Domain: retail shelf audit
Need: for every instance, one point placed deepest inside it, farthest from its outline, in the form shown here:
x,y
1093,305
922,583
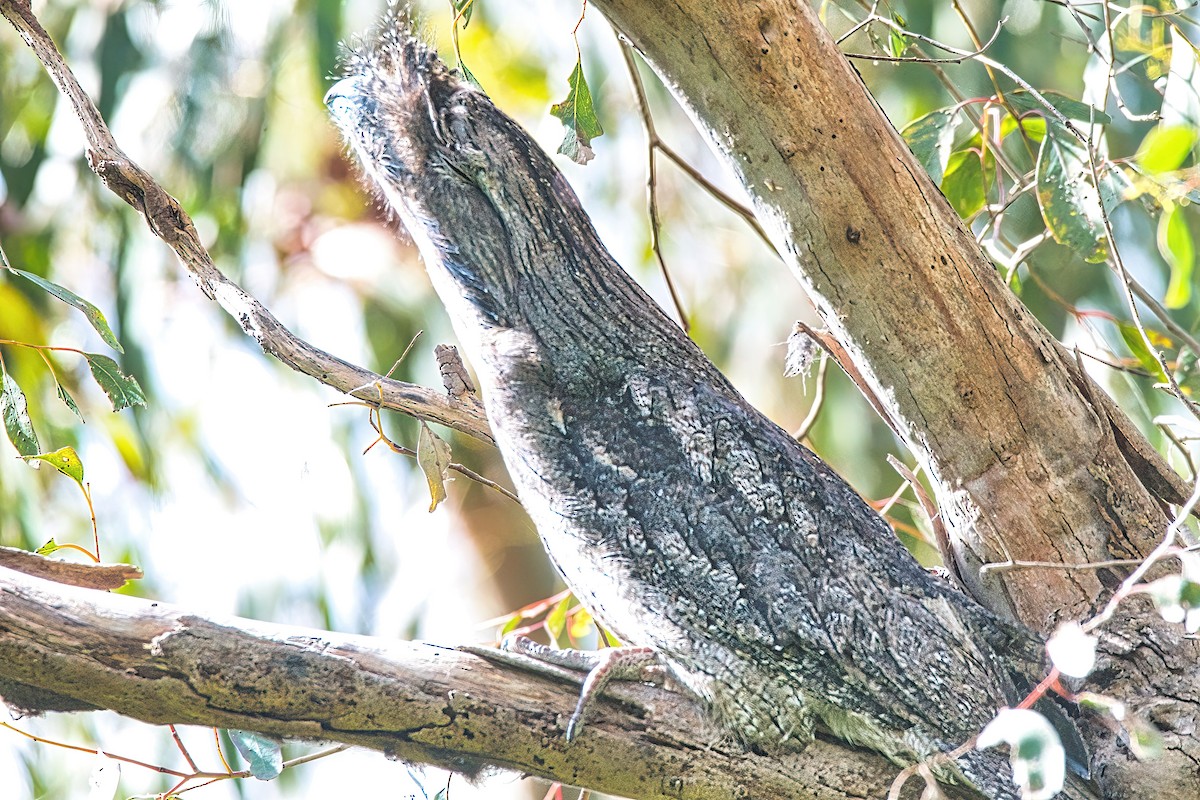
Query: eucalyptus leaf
x,y
1133,340
264,756
123,390
1024,102
433,457
65,460
579,118
931,138
68,400
965,184
15,410
1178,249
1069,202
93,314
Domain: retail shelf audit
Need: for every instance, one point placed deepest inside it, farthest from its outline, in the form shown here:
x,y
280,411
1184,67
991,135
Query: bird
x,y
682,517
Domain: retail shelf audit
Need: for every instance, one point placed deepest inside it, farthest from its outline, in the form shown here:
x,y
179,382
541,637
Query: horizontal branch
x,y
169,222
66,648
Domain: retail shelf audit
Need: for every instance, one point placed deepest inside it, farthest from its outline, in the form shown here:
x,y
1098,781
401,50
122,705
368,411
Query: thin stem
x,y
652,142
818,400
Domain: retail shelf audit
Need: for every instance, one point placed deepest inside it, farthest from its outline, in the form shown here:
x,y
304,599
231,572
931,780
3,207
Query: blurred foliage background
x,y
241,487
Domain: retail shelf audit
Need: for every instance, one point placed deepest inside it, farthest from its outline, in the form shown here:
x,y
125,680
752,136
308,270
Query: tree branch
x,y
169,222
65,648
987,400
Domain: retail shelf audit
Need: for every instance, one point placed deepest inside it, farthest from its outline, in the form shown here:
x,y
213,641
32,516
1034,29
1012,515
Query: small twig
x,y
400,449
958,59
725,199
1161,551
168,221
1006,566
1127,284
652,141
179,743
818,399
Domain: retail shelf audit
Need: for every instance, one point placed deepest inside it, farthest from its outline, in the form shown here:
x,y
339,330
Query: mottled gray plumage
x,y
678,513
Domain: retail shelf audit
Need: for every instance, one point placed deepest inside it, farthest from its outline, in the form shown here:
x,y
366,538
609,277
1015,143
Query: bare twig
x,y
818,399
400,449
957,59
168,221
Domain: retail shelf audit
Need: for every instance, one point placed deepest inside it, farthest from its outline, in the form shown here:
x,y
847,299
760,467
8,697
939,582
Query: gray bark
x,y
1028,458
64,648
678,513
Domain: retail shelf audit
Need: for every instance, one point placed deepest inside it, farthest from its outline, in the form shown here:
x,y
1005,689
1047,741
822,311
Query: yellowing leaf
x,y
581,625
65,460
1166,148
1069,202
579,118
433,456
1176,246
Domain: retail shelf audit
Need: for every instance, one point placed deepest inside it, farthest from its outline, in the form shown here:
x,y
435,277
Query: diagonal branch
x,y
169,222
65,648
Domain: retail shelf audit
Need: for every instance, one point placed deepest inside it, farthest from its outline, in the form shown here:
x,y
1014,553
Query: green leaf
x,y
49,548
463,9
469,76
1031,126
964,183
65,396
1070,203
123,390
579,118
433,457
897,42
15,410
65,460
556,620
931,138
1137,346
1176,246
93,314
263,755
1024,102
513,623
1166,148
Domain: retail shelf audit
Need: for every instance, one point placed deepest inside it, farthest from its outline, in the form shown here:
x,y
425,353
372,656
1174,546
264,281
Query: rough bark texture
x,y
1021,457
683,518
70,649
1030,460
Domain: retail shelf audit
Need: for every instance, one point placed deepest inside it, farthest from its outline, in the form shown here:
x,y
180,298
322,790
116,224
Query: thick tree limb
x,y
168,221
1025,463
1029,459
65,648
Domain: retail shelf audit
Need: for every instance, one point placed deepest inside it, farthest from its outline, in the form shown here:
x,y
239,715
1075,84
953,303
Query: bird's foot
x,y
598,668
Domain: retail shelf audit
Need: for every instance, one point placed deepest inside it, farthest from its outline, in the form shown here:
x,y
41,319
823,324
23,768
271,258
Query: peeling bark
x,y
64,648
